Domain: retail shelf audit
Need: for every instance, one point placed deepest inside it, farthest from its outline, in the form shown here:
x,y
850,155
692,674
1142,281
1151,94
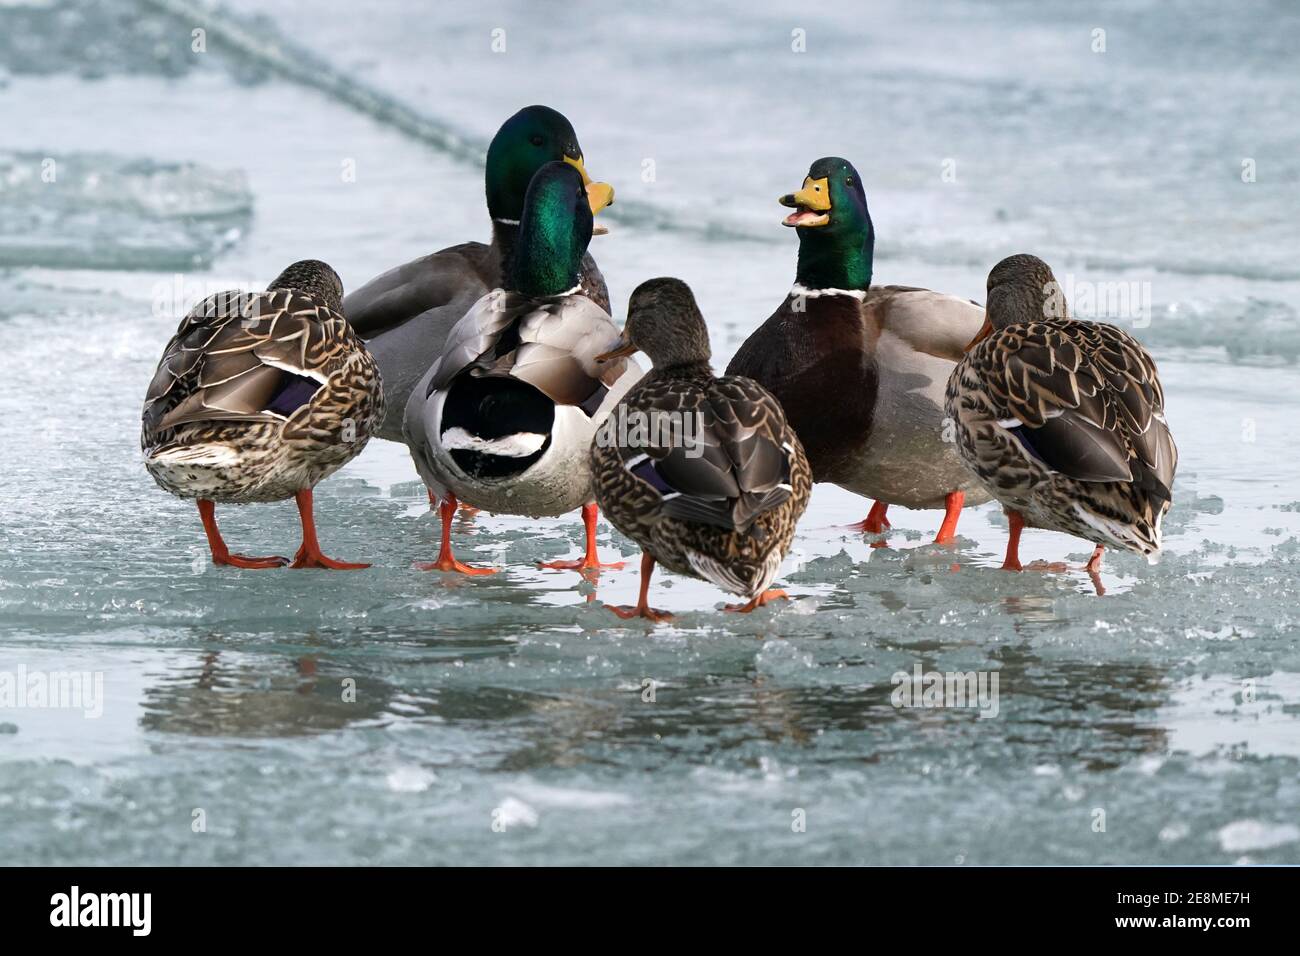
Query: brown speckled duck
x,y
704,473
258,397
1063,421
861,369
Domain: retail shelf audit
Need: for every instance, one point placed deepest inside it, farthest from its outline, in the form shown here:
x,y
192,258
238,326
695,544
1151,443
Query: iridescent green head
x,y
836,238
526,142
554,231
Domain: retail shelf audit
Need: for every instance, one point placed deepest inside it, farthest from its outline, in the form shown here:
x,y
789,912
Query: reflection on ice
x,y
1235,716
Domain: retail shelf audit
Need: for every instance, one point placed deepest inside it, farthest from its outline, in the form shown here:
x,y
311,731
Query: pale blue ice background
x,y
515,695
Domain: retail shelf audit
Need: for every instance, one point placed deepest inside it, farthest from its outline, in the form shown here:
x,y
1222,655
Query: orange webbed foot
x,y
1048,567
453,566
867,526
628,611
244,561
590,561
581,564
876,521
771,594
314,559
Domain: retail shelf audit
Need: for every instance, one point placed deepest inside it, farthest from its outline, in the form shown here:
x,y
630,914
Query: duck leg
x,y
771,594
309,553
875,522
220,553
643,608
468,511
1017,523
590,561
1094,563
952,511
446,560
1093,567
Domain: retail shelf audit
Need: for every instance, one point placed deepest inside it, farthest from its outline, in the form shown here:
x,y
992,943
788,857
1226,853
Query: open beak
x,y
985,331
812,204
599,195
622,349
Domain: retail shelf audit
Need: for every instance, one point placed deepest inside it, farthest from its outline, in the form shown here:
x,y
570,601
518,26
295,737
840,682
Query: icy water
x,y
394,716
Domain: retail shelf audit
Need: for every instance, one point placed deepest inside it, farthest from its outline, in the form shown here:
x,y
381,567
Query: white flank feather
x,y
212,456
518,445
719,574
725,578
1119,533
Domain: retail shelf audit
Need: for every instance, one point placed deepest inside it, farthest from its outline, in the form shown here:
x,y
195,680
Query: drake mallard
x,y
704,473
504,418
1062,421
406,314
258,397
860,369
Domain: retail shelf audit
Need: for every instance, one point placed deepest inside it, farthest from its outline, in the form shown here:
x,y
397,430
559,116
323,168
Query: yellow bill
x,y
599,195
811,204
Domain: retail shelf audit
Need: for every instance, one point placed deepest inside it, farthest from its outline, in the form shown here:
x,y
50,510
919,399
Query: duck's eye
x,y
536,139
848,181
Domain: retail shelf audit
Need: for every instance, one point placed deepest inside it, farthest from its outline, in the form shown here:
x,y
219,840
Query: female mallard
x,y
504,418
1063,421
704,473
406,314
258,397
861,370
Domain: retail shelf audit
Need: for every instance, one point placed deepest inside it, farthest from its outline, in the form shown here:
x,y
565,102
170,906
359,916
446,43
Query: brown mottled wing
x,y
730,460
252,357
1087,399
550,343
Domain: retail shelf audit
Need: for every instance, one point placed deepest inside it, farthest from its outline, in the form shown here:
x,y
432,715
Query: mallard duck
x,y
258,397
703,472
860,369
1063,421
504,418
406,314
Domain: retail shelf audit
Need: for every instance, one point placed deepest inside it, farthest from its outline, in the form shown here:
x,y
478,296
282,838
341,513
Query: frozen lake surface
x,y
504,720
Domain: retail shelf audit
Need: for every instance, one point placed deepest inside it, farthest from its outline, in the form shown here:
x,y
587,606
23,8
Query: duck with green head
x,y
503,420
405,314
861,369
